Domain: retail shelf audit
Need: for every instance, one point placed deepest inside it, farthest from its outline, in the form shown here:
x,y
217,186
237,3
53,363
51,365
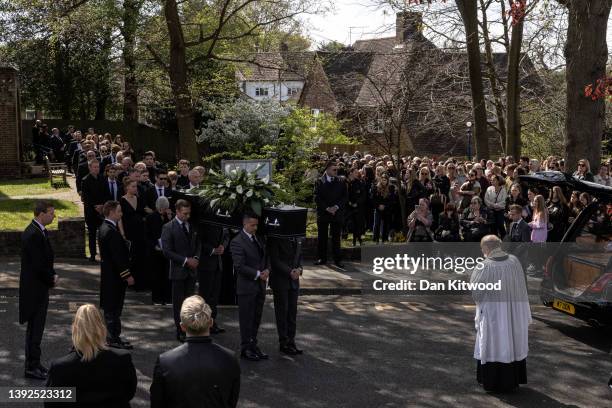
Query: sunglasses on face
x,y
581,164
163,178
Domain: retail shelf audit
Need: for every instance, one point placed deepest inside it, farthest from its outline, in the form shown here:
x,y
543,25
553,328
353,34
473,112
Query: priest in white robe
x,y
502,320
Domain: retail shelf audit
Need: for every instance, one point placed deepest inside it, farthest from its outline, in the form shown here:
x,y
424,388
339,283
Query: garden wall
x,y
68,241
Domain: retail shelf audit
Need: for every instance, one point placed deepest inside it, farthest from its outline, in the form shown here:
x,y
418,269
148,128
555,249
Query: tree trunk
x,y
131,11
469,15
586,54
513,93
188,148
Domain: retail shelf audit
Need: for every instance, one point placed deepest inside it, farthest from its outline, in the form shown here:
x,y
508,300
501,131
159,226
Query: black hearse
x,y
578,272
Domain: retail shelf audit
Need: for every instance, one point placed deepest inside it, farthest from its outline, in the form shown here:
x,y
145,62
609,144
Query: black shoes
x,y
250,355
290,349
216,329
35,373
120,344
261,354
320,262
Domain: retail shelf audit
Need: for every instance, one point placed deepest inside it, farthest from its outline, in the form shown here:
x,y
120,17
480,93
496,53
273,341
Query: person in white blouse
x,y
495,200
603,176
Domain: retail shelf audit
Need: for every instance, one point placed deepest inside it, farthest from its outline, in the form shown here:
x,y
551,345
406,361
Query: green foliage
x,y
15,215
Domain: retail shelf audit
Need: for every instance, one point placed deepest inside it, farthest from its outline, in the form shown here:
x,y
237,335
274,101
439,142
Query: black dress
x,y
501,377
134,228
156,261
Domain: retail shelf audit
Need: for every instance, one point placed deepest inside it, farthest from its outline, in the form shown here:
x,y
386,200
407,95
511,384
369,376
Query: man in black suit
x,y
210,372
181,245
106,158
330,197
519,229
251,268
73,150
115,275
210,270
183,178
113,188
149,160
57,146
93,195
83,168
285,272
36,277
160,189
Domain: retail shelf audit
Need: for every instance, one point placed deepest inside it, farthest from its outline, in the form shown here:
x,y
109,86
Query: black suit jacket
x,y
107,193
177,246
37,273
109,380
115,256
93,192
283,258
106,161
247,261
520,233
150,196
328,194
196,374
212,237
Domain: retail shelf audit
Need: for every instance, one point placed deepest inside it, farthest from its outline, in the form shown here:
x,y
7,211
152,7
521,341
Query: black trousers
x,y
210,287
93,223
325,223
34,333
250,309
181,289
285,311
161,287
112,316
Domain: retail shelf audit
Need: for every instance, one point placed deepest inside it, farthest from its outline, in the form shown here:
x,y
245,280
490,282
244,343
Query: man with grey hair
x,y
195,178
502,320
211,372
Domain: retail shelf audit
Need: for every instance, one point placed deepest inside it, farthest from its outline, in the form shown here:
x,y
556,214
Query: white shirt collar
x,y
111,221
248,235
42,227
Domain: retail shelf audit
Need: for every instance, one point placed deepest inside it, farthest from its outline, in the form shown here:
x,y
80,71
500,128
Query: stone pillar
x,y
10,123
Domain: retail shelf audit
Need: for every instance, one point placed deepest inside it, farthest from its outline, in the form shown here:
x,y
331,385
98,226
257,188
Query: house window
x,y
292,91
261,91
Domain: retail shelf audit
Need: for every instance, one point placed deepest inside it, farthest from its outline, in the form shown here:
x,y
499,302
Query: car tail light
x,y
548,267
600,284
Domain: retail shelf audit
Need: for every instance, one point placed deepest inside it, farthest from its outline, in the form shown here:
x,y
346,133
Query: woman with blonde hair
x,y
102,377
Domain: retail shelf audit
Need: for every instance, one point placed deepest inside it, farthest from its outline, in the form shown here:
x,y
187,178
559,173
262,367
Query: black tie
x,y
259,249
112,189
514,228
46,233
160,192
185,230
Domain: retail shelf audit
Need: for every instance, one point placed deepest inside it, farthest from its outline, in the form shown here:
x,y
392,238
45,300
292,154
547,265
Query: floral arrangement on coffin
x,y
237,191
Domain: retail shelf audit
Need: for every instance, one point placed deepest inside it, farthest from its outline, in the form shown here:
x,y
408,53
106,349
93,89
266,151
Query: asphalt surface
x,y
360,351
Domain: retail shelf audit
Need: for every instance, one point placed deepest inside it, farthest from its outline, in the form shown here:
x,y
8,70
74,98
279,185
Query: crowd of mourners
x,y
455,200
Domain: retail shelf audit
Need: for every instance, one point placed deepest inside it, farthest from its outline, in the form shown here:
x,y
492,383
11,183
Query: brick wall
x,y
9,123
68,241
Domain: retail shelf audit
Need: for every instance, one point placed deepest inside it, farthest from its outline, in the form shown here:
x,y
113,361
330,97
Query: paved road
x,y
361,351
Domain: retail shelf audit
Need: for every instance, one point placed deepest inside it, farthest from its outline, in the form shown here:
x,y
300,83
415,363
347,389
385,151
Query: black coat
x,y
37,273
107,193
109,380
93,192
212,237
177,246
150,196
247,261
114,268
283,258
196,374
329,194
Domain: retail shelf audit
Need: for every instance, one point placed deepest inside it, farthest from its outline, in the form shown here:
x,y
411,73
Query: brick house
x,y
393,91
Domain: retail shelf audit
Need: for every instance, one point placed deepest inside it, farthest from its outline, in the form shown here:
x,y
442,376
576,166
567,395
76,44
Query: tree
x,y
586,54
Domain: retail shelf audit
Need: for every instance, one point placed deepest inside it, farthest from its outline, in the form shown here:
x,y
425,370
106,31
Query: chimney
x,y
408,25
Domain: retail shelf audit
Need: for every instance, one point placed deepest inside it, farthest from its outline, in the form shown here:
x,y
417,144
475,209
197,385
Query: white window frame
x,y
262,91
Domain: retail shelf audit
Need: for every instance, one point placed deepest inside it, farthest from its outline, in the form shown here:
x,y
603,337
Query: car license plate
x,y
564,306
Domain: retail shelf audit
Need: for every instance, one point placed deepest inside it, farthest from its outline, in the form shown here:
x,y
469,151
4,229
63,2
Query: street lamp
x,y
469,140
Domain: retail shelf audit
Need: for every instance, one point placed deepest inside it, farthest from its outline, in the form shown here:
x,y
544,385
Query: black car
x,y
578,273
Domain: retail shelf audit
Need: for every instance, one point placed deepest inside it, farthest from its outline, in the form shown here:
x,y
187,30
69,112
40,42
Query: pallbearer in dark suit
x,y
286,269
181,245
330,197
115,274
37,276
210,270
251,268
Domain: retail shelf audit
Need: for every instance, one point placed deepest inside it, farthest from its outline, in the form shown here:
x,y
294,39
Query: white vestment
x,y
502,317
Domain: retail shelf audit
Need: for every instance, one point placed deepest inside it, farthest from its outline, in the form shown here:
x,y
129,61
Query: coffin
x,y
286,221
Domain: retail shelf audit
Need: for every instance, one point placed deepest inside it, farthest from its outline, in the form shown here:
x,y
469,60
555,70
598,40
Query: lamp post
x,y
469,140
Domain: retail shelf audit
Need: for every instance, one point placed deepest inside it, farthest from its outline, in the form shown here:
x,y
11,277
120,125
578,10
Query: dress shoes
x,y
320,262
250,355
216,329
261,354
288,350
296,350
35,373
119,345
43,369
